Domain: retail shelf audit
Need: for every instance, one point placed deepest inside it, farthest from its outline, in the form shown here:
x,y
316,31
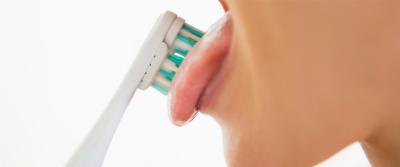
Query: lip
x,y
197,79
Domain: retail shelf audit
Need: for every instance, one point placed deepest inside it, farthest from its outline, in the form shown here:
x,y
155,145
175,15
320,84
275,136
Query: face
x,y
287,86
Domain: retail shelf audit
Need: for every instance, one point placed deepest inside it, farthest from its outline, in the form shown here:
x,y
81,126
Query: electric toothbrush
x,y
156,64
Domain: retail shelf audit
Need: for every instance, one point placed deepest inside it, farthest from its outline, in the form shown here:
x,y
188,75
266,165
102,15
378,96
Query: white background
x,y
60,62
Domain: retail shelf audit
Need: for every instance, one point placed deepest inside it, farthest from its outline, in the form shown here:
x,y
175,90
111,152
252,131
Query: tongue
x,y
198,69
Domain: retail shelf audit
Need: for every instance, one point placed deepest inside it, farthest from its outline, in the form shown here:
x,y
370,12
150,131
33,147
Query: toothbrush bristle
x,y
189,35
160,88
169,65
176,59
193,30
187,38
167,74
180,50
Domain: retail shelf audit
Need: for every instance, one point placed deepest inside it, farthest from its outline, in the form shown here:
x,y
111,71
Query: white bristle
x,y
169,65
189,35
182,45
163,81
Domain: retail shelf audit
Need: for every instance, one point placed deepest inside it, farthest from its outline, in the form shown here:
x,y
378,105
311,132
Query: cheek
x,y
265,124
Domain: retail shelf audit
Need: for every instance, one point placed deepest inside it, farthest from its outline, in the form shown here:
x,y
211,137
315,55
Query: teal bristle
x,y
167,74
187,40
179,51
160,88
176,59
193,30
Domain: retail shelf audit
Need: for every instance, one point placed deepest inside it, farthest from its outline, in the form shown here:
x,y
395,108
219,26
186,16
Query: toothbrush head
x,y
164,50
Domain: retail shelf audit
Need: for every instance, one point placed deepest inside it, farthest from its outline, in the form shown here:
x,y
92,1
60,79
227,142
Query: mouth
x,y
197,79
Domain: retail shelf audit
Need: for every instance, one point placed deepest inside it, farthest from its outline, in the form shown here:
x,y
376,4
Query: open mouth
x,y
193,85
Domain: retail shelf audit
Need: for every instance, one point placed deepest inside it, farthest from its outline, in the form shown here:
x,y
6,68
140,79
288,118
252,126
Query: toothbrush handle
x,y
92,150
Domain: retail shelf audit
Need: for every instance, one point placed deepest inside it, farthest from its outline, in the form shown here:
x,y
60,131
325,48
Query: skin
x,y
301,80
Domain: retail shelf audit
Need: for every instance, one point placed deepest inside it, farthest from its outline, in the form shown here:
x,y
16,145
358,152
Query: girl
x,y
291,82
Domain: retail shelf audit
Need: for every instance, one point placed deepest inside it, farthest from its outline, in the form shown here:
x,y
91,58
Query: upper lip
x,y
198,70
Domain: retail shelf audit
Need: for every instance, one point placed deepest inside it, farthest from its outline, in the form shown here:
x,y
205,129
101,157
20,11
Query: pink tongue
x,y
199,67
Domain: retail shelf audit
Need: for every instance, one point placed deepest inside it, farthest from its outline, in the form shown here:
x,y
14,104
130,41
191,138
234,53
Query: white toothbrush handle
x,y
93,149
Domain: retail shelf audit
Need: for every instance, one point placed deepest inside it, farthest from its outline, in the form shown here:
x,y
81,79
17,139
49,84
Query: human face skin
x,y
302,80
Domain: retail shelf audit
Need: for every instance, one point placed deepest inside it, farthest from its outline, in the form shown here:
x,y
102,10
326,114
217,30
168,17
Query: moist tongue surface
x,y
199,67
